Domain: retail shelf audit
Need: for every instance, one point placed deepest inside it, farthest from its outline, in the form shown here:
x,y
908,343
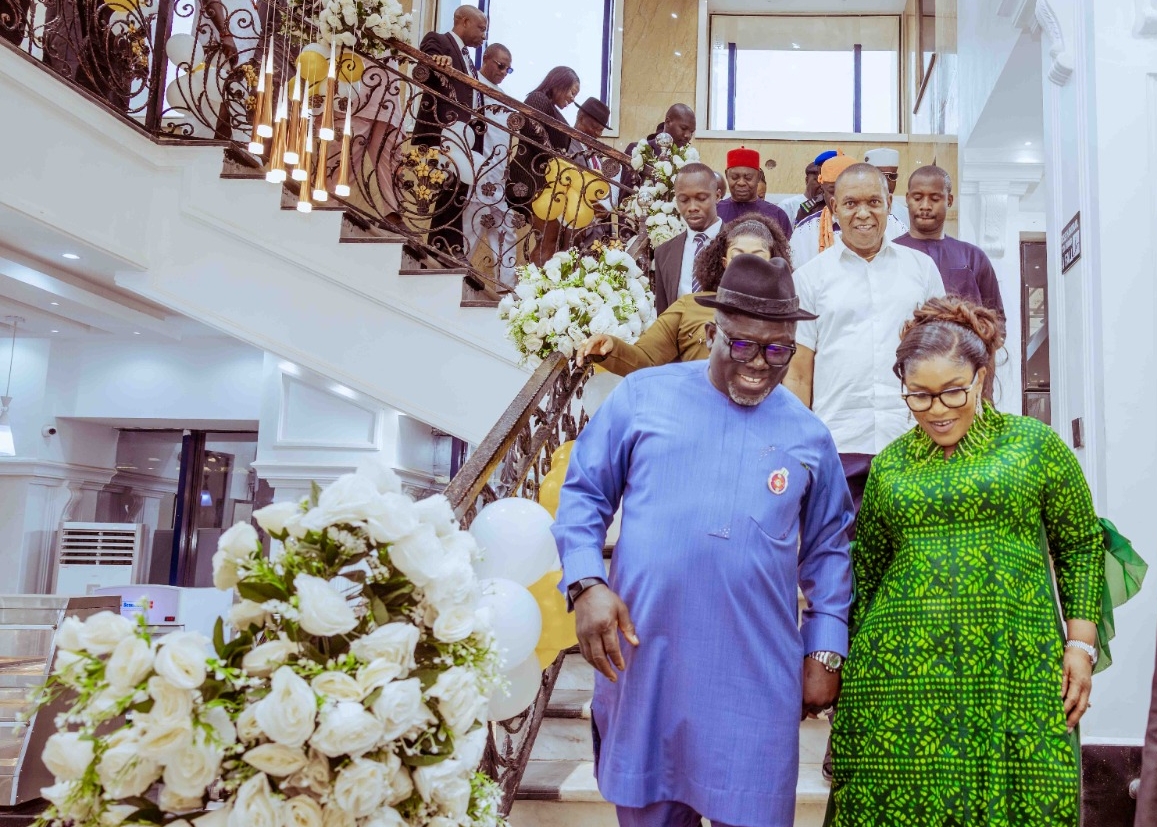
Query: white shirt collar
x,y
461,43
885,249
711,230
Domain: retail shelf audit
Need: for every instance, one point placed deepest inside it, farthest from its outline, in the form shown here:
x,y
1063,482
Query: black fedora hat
x,y
760,288
598,110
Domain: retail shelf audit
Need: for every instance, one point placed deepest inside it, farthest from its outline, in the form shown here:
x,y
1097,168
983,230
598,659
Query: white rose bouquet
x,y
572,296
353,693
366,26
654,202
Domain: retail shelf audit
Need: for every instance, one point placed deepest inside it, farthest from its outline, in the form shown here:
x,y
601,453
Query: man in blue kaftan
x,y
732,495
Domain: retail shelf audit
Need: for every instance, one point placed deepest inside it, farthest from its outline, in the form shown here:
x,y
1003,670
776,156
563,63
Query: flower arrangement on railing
x,y
654,202
557,306
365,26
353,694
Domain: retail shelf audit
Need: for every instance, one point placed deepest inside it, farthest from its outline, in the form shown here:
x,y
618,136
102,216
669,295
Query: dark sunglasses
x,y
504,67
744,350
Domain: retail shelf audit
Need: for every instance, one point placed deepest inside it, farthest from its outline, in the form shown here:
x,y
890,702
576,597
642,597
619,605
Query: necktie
x,y
473,73
700,243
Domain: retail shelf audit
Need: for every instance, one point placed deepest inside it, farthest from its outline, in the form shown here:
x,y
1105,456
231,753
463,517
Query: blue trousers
x,y
661,814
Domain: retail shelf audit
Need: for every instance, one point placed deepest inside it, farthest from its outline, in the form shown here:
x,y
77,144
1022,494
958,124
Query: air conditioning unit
x,y
91,555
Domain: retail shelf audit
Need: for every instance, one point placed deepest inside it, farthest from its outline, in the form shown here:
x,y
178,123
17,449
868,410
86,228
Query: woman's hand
x,y
598,345
1076,685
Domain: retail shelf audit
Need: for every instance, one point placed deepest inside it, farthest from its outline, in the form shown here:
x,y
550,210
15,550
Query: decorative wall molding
x,y
1050,23
993,222
1146,18
360,419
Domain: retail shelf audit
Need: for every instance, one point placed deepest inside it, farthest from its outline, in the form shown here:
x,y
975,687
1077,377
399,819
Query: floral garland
x,y
573,296
366,26
654,202
353,694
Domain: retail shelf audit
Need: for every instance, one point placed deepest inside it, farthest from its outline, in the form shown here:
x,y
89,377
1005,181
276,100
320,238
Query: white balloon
x,y
597,389
515,618
525,680
184,50
514,536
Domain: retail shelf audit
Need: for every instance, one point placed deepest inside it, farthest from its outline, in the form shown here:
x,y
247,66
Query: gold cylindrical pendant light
x,y
265,125
276,172
326,130
256,146
320,194
292,134
303,202
343,174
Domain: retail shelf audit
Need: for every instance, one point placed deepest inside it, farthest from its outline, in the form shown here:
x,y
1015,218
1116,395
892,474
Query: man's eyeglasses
x,y
504,67
920,401
744,350
891,176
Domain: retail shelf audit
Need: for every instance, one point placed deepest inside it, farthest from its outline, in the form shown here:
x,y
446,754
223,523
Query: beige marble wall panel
x,y
653,76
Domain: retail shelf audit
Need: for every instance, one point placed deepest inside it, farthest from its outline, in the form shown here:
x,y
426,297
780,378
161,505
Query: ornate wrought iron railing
x,y
480,185
511,462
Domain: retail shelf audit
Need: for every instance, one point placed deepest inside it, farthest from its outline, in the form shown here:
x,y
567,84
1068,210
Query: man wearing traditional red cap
x,y
743,182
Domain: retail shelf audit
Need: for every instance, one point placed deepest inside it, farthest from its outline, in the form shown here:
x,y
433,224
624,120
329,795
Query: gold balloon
x,y
550,489
569,193
558,630
350,67
561,455
122,6
314,67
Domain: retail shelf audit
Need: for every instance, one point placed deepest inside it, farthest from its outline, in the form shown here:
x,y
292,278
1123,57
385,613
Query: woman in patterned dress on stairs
x,y
962,690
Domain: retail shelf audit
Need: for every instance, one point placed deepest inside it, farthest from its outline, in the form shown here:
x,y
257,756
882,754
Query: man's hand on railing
x,y
599,616
594,348
441,61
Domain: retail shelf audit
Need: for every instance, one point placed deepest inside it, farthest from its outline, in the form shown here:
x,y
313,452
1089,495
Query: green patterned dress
x,y
951,712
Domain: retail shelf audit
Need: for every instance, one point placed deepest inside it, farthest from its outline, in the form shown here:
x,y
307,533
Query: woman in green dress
x,y
962,692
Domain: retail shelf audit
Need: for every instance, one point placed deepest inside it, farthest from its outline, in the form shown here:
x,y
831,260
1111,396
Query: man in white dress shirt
x,y
486,218
696,198
863,288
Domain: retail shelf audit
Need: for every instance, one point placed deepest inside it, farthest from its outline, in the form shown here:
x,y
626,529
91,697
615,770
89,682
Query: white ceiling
x,y
1013,116
71,298
807,6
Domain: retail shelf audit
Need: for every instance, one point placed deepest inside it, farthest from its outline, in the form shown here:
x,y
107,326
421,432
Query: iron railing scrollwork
x,y
512,461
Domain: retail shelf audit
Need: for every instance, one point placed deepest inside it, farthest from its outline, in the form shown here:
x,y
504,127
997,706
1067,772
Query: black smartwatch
x,y
579,586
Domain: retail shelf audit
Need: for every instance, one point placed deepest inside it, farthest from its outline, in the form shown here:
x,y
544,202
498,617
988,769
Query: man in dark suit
x,y
679,123
450,114
696,197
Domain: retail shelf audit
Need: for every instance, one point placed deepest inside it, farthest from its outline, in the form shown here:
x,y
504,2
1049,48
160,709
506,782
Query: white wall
x,y
985,41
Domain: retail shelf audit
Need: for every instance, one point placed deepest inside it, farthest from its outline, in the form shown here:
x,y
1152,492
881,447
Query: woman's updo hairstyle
x,y
953,328
708,267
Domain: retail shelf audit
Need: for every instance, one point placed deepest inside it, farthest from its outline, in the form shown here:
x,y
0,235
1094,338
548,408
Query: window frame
x,y
703,89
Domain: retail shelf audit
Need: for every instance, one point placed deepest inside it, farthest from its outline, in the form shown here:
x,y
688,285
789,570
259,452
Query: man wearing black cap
x,y
732,498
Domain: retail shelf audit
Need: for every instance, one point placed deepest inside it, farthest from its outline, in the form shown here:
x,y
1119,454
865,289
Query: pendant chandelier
x,y
285,135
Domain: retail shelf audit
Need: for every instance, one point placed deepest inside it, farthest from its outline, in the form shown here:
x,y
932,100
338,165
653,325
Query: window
x,y
542,34
804,74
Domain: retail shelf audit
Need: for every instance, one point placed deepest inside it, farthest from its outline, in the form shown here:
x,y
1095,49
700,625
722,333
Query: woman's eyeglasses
x,y
744,350
920,401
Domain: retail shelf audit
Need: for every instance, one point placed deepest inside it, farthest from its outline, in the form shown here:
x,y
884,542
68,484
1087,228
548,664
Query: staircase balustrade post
x,y
159,57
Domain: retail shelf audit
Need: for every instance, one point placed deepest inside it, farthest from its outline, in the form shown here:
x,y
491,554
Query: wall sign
x,y
1071,243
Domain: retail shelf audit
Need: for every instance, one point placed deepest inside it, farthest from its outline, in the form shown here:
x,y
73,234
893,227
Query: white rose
x,y
277,760
70,634
459,701
334,816
360,787
263,659
468,748
239,543
314,775
399,785
436,511
69,667
193,769
130,662
444,785
123,770
351,498
288,712
215,818
226,572
377,673
455,622
337,685
396,519
222,724
103,631
248,730
170,703
419,555
161,740
181,659
401,709
301,811
346,729
247,613
67,755
393,642
66,799
172,801
254,805
386,817
273,519
323,610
